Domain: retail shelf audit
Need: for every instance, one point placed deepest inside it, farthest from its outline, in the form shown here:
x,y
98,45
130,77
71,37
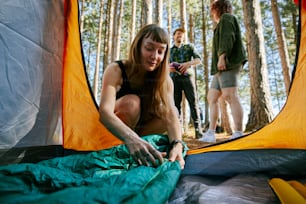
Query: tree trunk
x,y
282,46
147,12
169,17
110,31
88,61
295,25
184,25
117,29
159,12
82,16
194,79
133,20
183,17
107,33
261,109
97,67
205,62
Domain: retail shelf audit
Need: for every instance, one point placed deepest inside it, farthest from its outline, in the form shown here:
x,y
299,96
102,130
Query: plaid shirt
x,y
183,54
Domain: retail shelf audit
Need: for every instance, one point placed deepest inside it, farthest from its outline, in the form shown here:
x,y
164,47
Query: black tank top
x,y
125,87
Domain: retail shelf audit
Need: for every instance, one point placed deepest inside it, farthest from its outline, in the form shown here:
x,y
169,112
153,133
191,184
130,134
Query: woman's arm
x,y
174,129
111,82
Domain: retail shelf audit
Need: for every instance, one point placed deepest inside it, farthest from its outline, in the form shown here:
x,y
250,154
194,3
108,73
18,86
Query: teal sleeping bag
x,y
106,176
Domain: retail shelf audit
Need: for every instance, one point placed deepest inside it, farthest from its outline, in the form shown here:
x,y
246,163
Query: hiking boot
x,y
236,135
209,136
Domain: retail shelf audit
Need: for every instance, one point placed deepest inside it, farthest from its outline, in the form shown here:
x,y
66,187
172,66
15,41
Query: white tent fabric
x,y
31,53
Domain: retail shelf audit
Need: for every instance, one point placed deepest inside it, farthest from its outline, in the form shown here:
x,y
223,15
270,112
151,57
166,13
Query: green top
x,y
227,39
183,54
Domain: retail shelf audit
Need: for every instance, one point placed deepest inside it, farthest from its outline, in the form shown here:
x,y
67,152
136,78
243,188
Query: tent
x,y
54,149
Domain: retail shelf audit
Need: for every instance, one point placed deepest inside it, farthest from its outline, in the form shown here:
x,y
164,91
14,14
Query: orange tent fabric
x,y
82,129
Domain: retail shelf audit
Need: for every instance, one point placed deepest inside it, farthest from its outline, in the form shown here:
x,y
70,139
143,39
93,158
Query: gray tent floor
x,y
239,189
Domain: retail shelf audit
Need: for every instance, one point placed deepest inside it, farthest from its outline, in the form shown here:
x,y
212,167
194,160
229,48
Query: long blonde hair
x,y
156,82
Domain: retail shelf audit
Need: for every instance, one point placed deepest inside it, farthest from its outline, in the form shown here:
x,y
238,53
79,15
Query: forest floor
x,y
194,143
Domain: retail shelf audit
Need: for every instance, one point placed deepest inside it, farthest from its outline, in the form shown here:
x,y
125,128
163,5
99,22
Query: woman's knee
x,y
213,96
230,97
129,105
133,103
230,94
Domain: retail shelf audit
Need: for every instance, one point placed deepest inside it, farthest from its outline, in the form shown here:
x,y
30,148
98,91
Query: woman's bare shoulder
x,y
112,74
112,69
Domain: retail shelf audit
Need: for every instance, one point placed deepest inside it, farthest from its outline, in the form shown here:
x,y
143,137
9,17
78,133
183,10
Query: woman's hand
x,y
144,153
176,154
221,63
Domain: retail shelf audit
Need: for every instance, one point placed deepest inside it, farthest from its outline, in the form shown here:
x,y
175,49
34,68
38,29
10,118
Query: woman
x,y
137,98
228,58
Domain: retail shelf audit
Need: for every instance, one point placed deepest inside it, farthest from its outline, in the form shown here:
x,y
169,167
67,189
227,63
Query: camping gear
x,y
49,117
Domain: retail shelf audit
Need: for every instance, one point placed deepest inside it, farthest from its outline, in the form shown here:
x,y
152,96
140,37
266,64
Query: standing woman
x,y
137,98
228,58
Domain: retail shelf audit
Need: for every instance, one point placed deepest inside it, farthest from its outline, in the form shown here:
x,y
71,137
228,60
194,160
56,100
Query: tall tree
x,y
110,30
97,67
169,16
191,40
82,14
147,12
205,59
133,22
105,34
295,16
282,46
289,18
109,20
183,21
183,16
260,109
159,12
117,29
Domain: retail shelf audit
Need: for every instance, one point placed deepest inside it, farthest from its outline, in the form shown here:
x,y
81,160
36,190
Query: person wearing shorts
x,y
226,79
228,58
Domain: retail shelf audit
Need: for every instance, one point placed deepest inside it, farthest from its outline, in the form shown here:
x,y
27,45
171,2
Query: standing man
x,y
182,57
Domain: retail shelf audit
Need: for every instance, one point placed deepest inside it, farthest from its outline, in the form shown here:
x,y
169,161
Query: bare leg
x,y
231,96
127,108
212,98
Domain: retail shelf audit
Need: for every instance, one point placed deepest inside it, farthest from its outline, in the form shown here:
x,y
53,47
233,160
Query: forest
x,y
269,30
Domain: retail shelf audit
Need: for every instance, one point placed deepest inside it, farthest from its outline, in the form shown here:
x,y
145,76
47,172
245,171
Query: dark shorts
x,y
226,79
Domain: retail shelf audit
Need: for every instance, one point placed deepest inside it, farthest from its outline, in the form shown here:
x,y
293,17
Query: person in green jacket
x,y
228,58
